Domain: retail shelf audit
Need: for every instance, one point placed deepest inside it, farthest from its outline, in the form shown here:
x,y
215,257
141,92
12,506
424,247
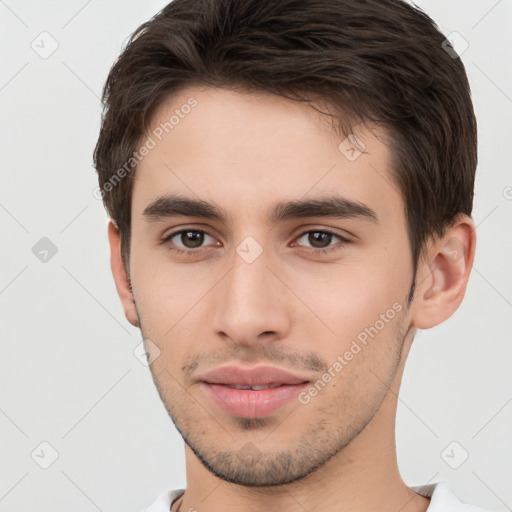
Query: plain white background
x,y
68,373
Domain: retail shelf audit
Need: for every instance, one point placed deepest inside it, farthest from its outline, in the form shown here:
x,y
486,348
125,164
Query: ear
x,y
443,274
120,274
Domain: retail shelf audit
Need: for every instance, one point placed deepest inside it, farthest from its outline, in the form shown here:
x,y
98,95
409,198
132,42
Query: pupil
x,y
314,239
194,237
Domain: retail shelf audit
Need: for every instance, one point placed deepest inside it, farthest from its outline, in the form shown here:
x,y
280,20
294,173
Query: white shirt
x,y
441,497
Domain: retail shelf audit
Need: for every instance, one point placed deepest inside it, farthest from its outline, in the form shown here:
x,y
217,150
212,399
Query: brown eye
x,y
322,240
192,239
318,239
186,240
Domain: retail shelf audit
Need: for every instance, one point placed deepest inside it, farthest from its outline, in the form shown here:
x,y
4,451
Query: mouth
x,y
257,401
256,387
251,392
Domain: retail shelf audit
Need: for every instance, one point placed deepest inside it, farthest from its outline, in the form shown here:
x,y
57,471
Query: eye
x,y
190,241
187,241
320,240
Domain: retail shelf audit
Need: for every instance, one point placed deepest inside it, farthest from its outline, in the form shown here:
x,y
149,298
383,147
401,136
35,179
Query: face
x,y
300,262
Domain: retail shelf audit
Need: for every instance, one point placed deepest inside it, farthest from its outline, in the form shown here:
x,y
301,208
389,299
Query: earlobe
x,y
120,274
443,275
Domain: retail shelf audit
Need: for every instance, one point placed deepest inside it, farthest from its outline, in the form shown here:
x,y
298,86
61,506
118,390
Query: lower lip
x,y
249,403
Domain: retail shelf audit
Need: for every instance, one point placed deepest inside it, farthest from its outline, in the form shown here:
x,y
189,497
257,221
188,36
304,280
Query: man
x,y
290,186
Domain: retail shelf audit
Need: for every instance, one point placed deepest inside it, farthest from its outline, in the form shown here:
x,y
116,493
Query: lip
x,y
250,403
255,376
247,403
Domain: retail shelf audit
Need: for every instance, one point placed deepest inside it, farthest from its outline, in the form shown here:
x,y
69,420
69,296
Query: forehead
x,y
245,150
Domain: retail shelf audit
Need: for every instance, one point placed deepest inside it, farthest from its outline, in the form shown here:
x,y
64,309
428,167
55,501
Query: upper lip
x,y
255,376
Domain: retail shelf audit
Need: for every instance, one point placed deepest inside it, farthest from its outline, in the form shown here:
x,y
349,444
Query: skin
x,y
292,307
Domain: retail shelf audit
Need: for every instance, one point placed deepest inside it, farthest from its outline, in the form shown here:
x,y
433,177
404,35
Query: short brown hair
x,y
382,61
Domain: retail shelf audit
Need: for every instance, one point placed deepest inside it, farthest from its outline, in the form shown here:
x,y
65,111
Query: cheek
x,y
351,295
161,284
173,301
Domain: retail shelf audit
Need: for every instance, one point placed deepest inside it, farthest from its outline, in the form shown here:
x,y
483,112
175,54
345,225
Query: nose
x,y
251,305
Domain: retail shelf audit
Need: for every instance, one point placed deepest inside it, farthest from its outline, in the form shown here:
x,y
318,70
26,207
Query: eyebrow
x,y
338,207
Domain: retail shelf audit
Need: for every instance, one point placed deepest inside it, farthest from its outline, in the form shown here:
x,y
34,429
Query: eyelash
x,y
336,247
